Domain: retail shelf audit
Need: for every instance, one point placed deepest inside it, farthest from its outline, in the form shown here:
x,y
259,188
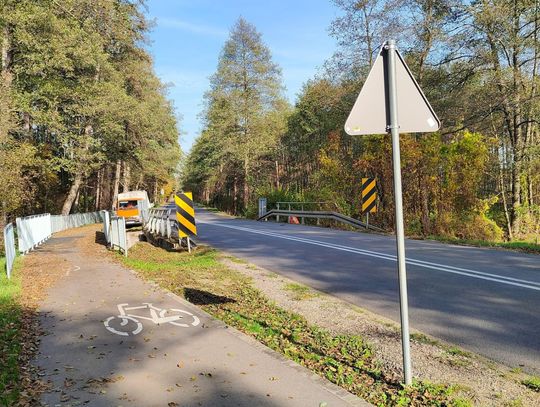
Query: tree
x,y
80,107
244,113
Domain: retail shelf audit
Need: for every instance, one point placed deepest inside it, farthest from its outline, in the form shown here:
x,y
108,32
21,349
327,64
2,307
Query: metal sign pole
x,y
367,221
400,235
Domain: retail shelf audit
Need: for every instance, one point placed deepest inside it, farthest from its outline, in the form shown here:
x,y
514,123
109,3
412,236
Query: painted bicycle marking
x,y
127,323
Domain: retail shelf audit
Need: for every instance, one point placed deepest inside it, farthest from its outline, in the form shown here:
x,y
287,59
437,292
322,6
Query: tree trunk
x,y
278,184
72,195
246,183
26,122
235,196
140,182
517,168
505,204
99,187
7,56
116,184
106,188
127,176
426,226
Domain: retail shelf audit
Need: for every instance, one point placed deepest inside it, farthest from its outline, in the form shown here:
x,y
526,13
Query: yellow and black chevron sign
x,y
369,195
185,214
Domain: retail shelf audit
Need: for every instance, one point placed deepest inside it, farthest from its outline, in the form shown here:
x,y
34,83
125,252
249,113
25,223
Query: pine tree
x,y
242,116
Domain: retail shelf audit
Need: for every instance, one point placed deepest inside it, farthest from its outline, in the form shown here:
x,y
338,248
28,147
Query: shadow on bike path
x,y
115,340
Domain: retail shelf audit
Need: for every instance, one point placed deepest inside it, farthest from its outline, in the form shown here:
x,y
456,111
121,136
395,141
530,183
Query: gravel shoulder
x,y
485,382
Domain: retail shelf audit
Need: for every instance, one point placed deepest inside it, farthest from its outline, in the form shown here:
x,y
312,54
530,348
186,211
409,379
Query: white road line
x,y
77,268
532,285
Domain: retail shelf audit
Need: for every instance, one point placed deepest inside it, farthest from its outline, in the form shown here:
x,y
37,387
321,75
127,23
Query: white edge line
x,y
420,263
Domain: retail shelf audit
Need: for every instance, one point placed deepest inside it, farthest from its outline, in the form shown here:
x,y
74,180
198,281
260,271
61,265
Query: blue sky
x,y
189,34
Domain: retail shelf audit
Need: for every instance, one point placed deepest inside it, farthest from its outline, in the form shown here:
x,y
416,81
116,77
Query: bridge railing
x,y
158,223
118,235
331,215
33,231
306,206
9,246
64,222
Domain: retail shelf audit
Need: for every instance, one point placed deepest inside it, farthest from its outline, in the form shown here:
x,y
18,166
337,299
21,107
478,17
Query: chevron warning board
x,y
369,195
185,214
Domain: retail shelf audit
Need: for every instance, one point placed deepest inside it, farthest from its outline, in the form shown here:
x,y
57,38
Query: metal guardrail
x,y
61,222
36,229
118,235
33,231
320,215
159,224
304,203
9,245
302,206
106,226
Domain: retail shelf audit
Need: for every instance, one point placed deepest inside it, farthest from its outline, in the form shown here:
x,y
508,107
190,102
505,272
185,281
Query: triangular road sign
x,y
370,113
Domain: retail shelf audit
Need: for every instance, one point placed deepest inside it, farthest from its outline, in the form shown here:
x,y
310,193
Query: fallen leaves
x,y
22,335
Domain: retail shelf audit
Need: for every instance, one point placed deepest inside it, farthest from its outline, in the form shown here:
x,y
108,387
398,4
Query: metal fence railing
x,y
159,223
118,234
106,226
32,231
9,245
61,222
306,206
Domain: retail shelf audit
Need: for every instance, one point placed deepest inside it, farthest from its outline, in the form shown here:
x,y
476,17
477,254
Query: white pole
x,y
400,234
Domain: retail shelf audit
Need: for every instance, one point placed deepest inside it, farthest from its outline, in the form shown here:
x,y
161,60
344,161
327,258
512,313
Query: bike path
x,y
202,364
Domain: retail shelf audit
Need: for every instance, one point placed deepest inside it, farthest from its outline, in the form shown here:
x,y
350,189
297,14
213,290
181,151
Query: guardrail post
x,y
277,216
123,239
106,227
9,246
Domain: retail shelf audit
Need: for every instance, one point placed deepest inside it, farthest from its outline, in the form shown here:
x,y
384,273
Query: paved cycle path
x,y
202,363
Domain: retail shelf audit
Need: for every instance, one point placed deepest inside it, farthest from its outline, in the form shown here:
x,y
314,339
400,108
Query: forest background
x,y
476,178
83,116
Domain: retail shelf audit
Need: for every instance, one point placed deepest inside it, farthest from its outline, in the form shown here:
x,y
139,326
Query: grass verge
x,y
346,360
10,326
527,247
532,382
300,292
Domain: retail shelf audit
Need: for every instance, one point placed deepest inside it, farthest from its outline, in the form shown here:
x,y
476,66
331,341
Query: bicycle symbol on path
x,y
127,323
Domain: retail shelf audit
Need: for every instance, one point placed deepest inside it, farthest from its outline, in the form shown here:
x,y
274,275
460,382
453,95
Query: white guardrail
x,y
32,231
36,229
118,235
60,222
9,245
158,223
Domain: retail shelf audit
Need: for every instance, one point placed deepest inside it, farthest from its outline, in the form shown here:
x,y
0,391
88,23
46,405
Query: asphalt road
x,y
485,300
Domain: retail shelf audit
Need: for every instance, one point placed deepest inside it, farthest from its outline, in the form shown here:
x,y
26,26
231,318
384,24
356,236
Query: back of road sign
x,y
185,214
370,113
